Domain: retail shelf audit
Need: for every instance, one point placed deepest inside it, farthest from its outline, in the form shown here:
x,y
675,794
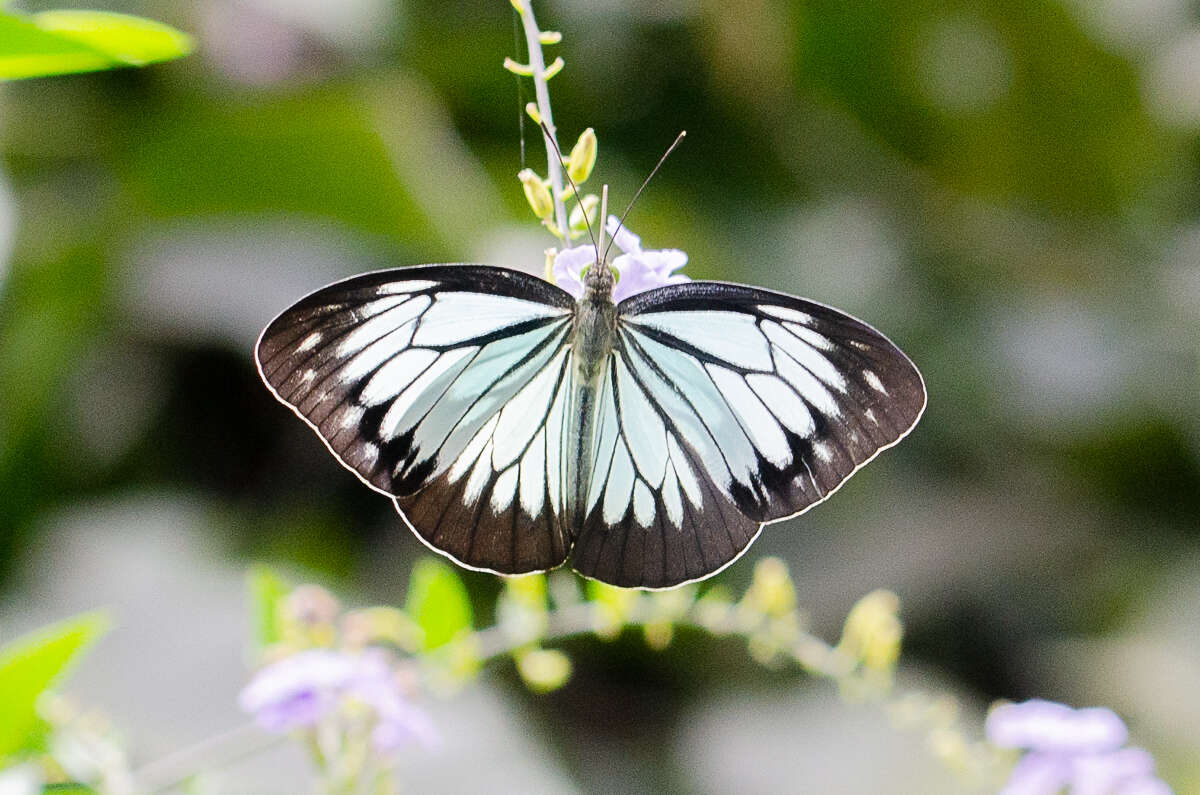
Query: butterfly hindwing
x,y
726,407
653,517
442,387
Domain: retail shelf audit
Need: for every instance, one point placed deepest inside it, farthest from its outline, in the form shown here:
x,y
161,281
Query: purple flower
x,y
1076,748
568,267
300,690
638,269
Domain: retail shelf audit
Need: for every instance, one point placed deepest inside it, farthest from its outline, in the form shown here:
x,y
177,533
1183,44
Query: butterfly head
x,y
598,280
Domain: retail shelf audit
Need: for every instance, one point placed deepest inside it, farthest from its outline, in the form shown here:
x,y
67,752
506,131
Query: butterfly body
x,y
515,426
595,329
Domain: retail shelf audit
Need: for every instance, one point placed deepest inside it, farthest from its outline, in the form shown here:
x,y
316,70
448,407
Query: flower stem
x,y
975,762
211,753
533,40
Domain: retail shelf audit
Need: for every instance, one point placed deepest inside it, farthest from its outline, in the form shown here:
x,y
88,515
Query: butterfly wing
x,y
443,387
726,407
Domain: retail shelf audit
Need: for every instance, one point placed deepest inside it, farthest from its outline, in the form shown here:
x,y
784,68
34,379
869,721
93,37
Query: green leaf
x,y
437,601
31,664
62,42
267,590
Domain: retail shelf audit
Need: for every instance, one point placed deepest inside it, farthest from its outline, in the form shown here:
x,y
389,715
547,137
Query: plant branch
x,y
210,753
537,63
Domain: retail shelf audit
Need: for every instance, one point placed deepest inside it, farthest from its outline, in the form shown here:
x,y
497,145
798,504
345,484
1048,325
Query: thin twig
x,y
220,750
538,64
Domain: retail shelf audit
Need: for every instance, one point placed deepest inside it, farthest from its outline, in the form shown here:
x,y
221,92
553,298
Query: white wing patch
x,y
394,375
458,317
385,316
874,381
804,354
725,335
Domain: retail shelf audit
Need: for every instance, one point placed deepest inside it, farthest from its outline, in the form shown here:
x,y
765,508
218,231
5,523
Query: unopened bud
x,y
375,625
583,157
522,609
613,607
537,194
588,206
311,605
521,69
544,669
873,631
771,590
528,590
554,68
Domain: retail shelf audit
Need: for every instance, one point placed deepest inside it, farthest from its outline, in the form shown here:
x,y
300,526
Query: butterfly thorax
x,y
595,323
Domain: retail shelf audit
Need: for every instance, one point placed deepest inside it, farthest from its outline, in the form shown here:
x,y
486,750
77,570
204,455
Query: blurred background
x,y
1010,189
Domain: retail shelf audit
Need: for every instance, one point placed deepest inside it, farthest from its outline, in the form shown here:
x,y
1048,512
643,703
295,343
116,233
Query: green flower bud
x,y
522,609
528,590
589,205
554,68
583,157
873,631
771,591
523,70
543,670
537,194
613,607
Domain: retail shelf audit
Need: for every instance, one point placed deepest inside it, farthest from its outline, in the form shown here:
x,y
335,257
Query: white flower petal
x,y
1038,774
1048,726
568,267
626,241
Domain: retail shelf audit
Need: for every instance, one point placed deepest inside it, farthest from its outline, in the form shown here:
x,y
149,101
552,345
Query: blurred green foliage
x,y
437,601
266,590
62,42
28,667
1041,111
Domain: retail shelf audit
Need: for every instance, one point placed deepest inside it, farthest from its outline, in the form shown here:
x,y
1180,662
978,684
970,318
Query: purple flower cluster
x,y
300,690
1077,749
638,269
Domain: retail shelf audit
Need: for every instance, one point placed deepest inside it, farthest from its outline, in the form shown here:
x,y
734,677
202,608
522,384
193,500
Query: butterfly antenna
x,y
574,187
621,223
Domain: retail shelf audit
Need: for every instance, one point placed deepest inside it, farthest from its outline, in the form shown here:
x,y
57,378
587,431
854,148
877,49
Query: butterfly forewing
x,y
725,407
443,387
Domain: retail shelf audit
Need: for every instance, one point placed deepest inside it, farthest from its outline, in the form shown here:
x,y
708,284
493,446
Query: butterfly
x,y
649,441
